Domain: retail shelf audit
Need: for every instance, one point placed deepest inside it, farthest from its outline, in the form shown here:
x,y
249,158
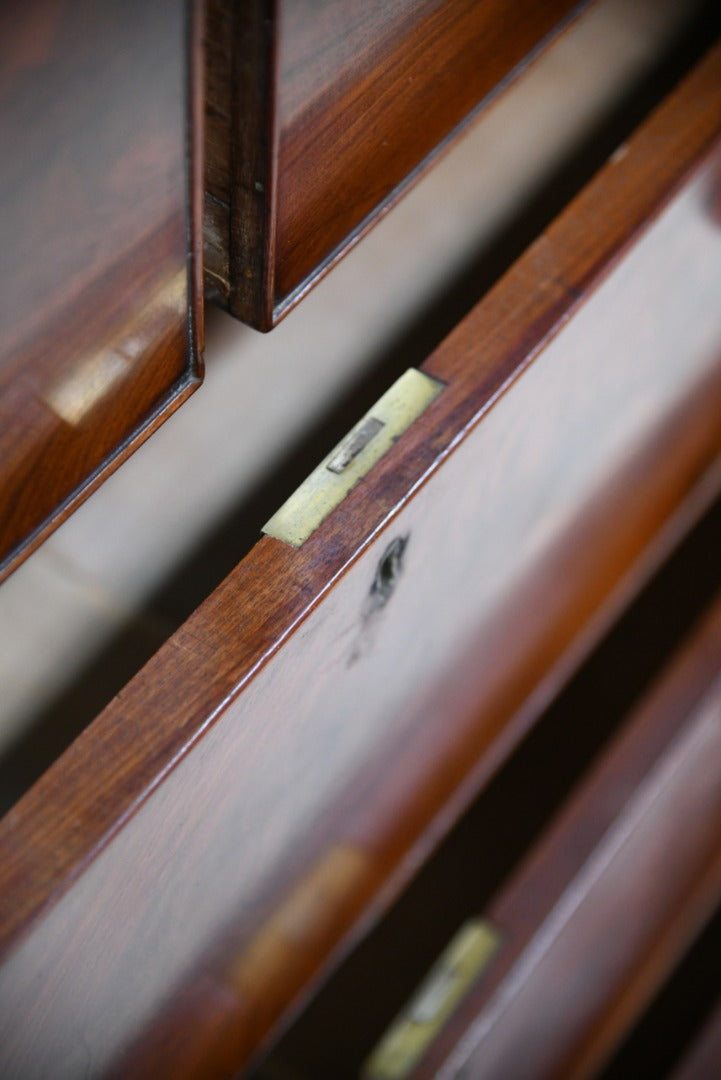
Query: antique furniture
x,y
458,710
101,243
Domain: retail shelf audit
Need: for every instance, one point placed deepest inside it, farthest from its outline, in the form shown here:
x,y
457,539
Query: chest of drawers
x,y
254,805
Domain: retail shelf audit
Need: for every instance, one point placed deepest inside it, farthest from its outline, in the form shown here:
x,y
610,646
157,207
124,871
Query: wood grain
x,y
275,773
319,115
100,327
602,909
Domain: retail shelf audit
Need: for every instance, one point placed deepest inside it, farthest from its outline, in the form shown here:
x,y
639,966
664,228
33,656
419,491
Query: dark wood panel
x,y
99,244
664,1035
704,1058
602,909
279,768
320,114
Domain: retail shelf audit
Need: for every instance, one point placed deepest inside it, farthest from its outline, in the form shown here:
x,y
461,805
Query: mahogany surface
x,y
602,909
277,770
99,245
320,114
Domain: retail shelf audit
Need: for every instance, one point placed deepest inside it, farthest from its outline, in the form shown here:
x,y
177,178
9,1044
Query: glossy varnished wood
x,y
277,770
602,909
320,114
99,244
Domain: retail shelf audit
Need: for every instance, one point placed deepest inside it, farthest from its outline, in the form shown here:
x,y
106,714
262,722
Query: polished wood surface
x,y
277,771
342,1025
320,114
99,245
602,909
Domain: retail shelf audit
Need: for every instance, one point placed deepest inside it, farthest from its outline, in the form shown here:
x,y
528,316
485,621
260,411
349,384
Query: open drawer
x,y
255,797
320,115
570,888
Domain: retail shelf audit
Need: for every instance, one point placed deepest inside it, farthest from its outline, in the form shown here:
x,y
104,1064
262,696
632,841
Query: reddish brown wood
x,y
320,115
99,243
598,915
278,769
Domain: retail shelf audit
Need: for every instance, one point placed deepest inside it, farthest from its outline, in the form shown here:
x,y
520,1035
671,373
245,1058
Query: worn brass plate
x,y
448,981
307,917
355,455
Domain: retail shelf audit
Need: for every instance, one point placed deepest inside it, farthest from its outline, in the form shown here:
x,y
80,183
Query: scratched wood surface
x,y
320,114
273,775
99,245
611,897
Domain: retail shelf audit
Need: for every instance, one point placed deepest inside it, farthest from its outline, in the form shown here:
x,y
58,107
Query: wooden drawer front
x,y
97,280
279,768
610,898
319,115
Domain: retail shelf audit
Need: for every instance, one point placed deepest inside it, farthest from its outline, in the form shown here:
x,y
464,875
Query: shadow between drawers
x,y
230,539
350,1012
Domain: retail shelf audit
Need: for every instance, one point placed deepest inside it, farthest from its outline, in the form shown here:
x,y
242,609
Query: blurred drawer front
x,y
606,902
98,246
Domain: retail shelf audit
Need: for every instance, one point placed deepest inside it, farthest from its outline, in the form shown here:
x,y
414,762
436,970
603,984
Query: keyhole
x,y
389,570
